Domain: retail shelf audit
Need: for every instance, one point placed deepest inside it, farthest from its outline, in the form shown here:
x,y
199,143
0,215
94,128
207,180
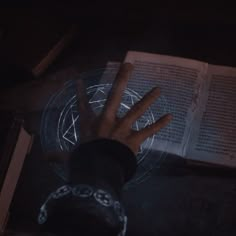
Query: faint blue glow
x,y
60,123
68,122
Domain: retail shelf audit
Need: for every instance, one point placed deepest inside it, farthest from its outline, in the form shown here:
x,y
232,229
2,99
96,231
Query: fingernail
x,y
156,90
169,116
128,66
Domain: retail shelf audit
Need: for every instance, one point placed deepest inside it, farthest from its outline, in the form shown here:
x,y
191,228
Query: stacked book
x,y
15,144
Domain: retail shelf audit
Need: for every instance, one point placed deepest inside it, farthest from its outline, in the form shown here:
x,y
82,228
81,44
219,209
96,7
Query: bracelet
x,y
85,191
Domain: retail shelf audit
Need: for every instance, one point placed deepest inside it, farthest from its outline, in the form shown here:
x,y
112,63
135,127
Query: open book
x,y
202,99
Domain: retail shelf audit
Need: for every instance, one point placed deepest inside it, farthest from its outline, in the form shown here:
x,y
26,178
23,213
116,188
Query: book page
x,y
214,138
179,80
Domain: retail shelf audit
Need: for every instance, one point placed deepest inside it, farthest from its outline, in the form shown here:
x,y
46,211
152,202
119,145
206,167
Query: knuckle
x,y
107,116
126,122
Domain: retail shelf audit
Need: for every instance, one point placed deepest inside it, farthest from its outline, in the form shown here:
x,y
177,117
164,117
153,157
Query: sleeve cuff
x,y
112,149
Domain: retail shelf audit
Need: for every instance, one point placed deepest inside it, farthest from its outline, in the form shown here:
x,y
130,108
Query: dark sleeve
x,y
104,163
92,200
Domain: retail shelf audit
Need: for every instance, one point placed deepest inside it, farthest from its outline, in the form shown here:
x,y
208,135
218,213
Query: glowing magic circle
x,y
60,125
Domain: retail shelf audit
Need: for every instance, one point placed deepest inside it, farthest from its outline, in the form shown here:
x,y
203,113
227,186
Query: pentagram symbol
x,y
68,123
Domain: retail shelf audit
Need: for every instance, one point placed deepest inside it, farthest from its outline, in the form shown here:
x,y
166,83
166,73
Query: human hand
x,y
107,124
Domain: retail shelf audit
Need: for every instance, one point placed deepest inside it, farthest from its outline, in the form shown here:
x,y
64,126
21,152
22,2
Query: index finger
x,y
115,95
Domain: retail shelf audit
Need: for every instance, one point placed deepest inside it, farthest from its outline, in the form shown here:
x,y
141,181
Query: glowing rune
x,y
68,124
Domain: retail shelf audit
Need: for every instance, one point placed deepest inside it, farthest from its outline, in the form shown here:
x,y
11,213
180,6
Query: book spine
x,y
20,150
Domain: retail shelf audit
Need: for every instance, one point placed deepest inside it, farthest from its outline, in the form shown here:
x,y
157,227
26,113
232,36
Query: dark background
x,y
178,199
